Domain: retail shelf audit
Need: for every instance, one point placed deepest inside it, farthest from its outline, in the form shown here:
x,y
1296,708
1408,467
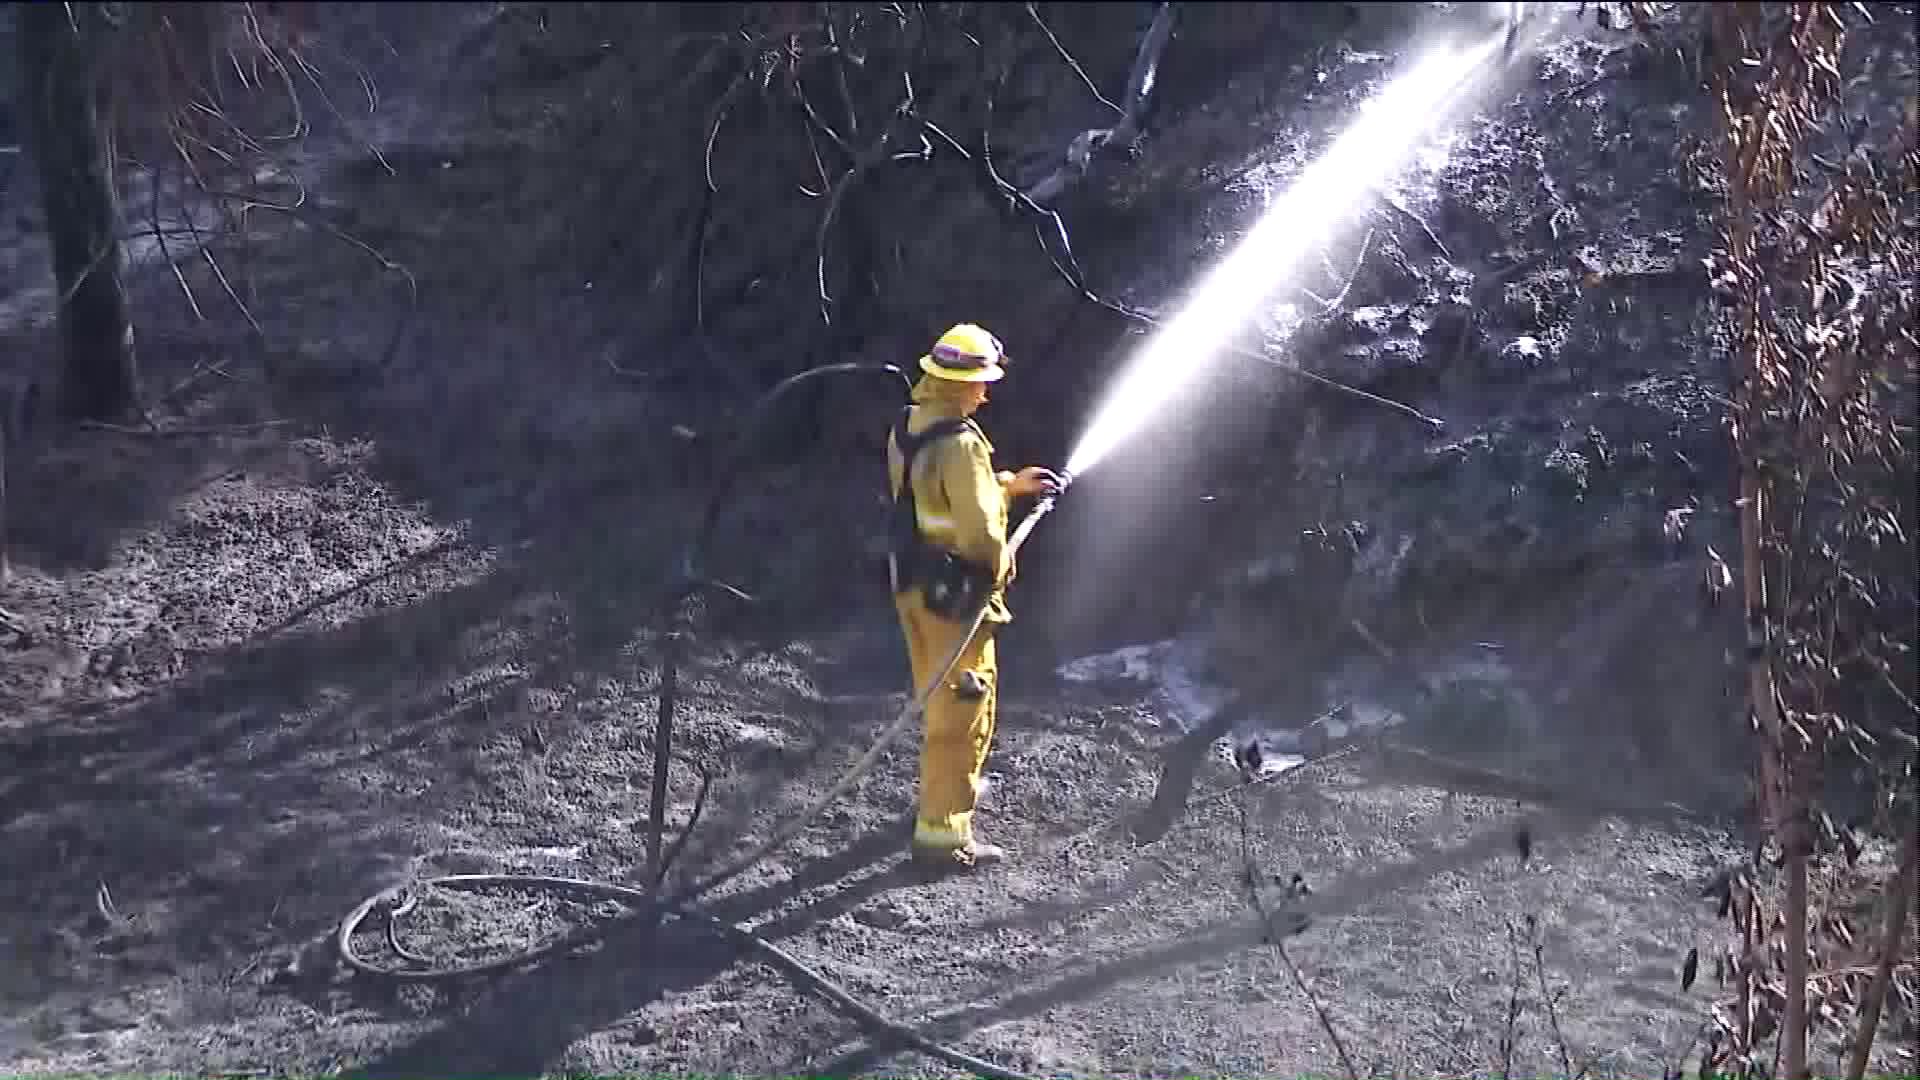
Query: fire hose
x,y
680,904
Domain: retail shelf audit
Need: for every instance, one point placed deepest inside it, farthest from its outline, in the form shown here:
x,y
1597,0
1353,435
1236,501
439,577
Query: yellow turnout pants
x,y
957,727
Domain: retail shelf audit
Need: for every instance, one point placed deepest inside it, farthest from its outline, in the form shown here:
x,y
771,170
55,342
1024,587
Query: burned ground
x,y
210,759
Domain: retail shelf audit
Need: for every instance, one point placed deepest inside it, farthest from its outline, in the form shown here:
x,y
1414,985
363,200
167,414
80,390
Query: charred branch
x,y
880,152
893,129
1282,920
1090,144
1393,203
1033,12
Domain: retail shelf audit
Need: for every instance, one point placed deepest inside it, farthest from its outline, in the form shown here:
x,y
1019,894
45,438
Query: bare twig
x,y
1368,636
874,155
1330,305
1276,936
202,244
702,227
819,124
263,48
160,432
365,581
308,218
720,110
200,371
840,73
226,286
824,230
166,252
313,77
667,697
1400,208
298,212
1319,1011
1510,1036
679,844
819,166
1899,905
1033,12
103,903
1550,1000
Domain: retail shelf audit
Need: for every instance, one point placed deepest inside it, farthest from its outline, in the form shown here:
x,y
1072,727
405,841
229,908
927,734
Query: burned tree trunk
x,y
57,58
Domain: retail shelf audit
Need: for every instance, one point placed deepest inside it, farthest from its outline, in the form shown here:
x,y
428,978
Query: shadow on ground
x,y
525,1024
490,711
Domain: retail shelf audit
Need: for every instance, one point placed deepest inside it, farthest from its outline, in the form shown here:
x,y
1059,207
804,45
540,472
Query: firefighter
x,y
950,555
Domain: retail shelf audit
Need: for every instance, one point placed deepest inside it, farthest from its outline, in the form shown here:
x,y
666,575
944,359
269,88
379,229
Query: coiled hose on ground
x,y
652,903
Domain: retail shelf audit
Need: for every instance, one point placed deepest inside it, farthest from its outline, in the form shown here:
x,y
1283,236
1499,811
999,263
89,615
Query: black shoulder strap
x,y
911,444
908,548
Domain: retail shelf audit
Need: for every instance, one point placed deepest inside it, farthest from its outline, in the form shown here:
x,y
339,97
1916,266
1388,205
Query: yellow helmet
x,y
966,353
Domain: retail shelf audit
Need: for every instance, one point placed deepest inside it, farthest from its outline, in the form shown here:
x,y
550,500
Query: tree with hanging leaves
x,y
1814,273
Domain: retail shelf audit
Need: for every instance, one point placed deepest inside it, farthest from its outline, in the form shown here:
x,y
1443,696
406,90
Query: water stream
x,y
1388,132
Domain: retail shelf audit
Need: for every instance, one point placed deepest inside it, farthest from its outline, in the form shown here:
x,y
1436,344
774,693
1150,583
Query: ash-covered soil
x,y
378,602
195,794
193,797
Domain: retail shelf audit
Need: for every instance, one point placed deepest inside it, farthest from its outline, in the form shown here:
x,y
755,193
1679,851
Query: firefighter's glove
x,y
1034,480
